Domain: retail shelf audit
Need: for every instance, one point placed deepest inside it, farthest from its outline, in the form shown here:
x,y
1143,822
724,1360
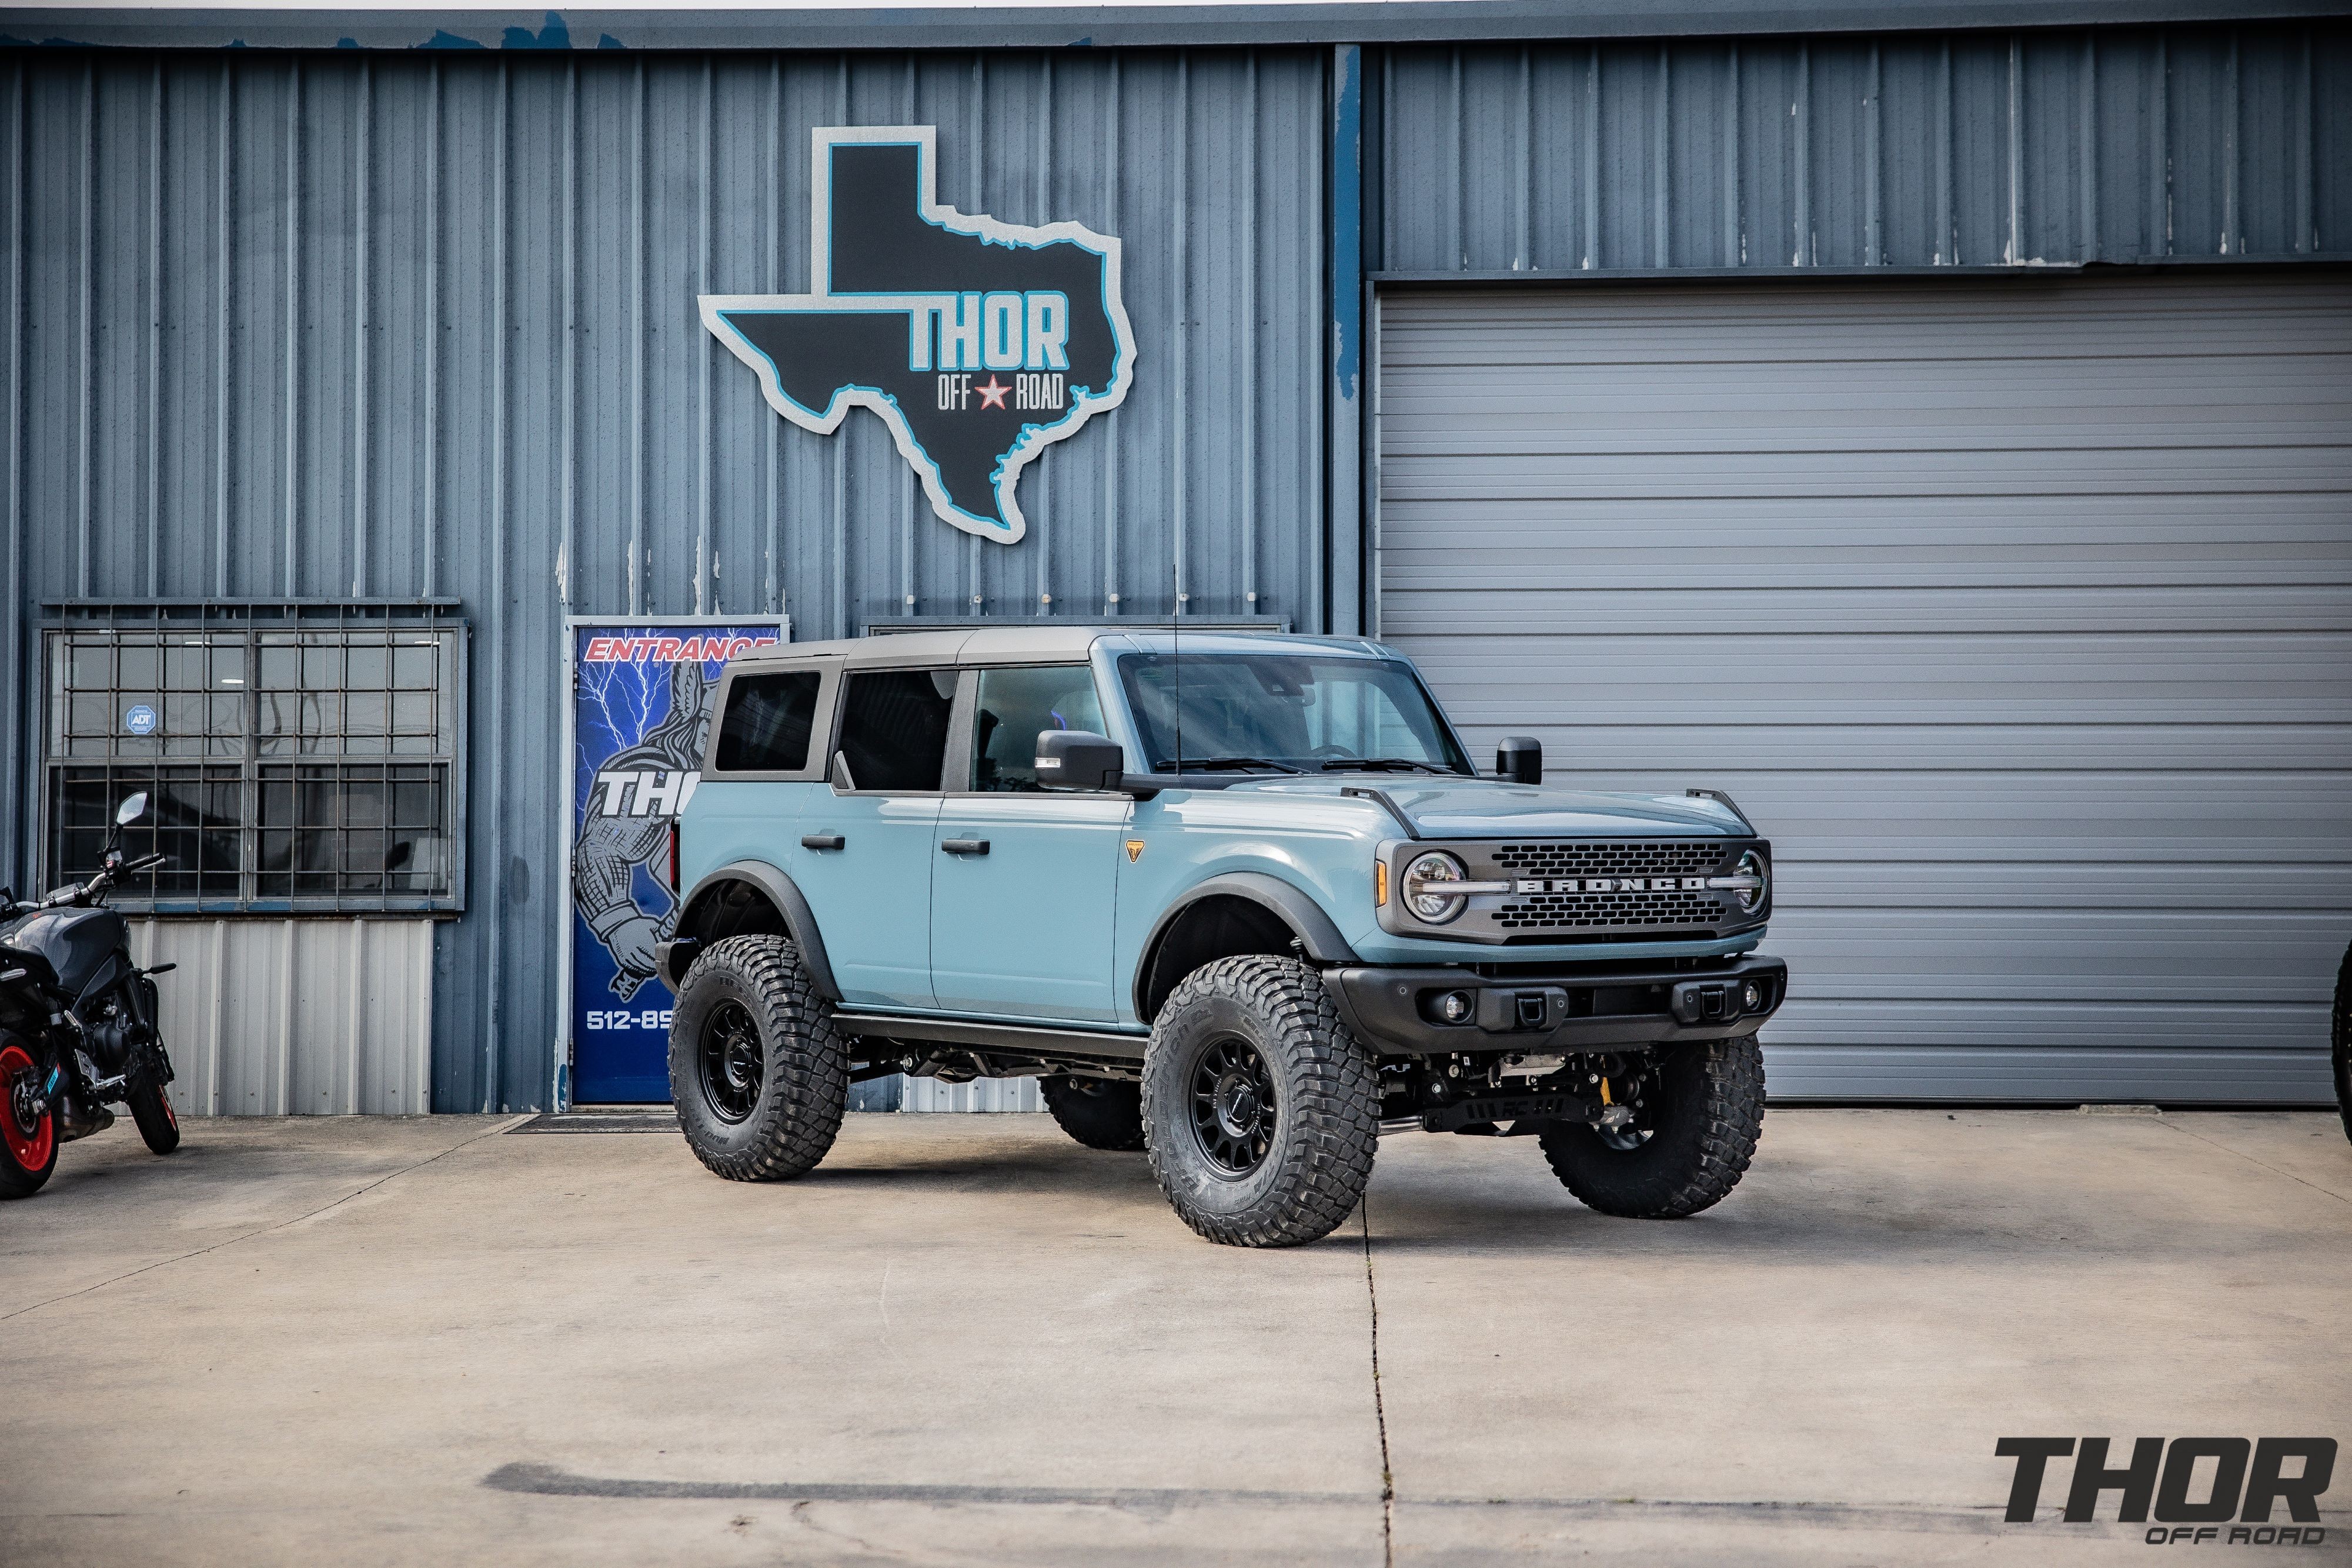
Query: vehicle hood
x,y
1490,809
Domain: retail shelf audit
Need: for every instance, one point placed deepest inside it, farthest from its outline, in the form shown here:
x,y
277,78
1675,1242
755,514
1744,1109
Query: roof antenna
x,y
1176,635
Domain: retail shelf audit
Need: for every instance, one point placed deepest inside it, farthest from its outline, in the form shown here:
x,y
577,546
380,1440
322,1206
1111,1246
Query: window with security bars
x,y
287,766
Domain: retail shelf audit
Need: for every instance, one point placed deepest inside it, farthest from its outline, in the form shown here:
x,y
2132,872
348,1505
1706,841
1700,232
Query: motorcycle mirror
x,y
131,810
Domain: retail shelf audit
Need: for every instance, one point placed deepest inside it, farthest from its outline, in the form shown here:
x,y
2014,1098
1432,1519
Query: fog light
x,y
1454,1006
1751,998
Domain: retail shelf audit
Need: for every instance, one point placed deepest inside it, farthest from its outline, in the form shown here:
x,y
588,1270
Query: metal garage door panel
x,y
2020,615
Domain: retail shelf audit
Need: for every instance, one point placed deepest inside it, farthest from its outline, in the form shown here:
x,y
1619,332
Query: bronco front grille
x,y
1593,890
1616,910
1611,858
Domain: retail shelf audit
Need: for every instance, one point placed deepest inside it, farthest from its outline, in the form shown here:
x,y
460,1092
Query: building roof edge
x,y
1085,26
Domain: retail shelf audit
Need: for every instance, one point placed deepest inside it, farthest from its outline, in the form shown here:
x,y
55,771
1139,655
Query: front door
x,y
1023,884
641,699
867,846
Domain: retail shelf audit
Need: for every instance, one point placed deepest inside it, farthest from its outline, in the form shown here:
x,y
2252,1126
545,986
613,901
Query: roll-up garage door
x,y
2017,615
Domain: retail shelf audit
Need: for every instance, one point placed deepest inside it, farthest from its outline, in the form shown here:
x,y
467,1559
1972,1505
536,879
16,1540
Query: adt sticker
x,y
138,719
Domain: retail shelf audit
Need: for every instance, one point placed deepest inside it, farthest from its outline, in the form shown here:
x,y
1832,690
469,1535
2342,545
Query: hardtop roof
x,y
1025,645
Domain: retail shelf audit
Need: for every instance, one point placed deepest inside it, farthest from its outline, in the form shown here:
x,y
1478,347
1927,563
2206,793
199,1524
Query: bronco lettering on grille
x,y
1609,885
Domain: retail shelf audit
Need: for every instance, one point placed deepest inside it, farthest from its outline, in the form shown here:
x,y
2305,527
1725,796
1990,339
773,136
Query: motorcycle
x,y
77,1023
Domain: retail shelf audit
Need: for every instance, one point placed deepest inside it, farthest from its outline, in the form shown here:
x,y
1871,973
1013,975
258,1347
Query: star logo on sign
x,y
991,394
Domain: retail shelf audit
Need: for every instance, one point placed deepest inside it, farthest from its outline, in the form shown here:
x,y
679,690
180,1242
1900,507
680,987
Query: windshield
x,y
1285,713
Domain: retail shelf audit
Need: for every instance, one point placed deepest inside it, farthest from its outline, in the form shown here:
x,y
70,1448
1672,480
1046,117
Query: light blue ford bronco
x,y
1239,901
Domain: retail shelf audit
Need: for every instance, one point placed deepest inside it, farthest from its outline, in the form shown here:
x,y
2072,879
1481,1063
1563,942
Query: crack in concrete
x,y
1380,1405
2249,1159
260,1229
547,1481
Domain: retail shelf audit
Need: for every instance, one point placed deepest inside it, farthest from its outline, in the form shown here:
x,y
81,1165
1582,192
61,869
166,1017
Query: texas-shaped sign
x,y
979,343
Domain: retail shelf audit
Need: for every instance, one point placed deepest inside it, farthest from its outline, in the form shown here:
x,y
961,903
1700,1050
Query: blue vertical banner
x,y
642,699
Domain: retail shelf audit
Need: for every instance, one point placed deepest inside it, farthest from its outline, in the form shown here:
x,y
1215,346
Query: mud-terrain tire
x,y
2341,1045
1274,1142
1708,1110
1100,1112
758,1077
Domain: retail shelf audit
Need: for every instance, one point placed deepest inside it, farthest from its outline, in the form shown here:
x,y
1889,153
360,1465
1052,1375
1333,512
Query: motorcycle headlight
x,y
1425,876
1752,899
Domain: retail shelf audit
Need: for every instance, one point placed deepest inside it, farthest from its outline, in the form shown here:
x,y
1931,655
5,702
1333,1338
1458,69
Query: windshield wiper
x,y
1232,764
1383,765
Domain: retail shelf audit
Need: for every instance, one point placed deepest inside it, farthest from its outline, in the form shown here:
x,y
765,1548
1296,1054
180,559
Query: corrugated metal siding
x,y
380,324
928,1094
295,1017
2017,615
1919,150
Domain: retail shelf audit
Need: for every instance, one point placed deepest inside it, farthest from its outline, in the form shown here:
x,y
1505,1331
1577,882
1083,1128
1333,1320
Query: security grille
x,y
294,757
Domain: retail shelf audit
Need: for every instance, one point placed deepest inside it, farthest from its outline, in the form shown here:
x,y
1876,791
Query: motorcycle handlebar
x,y
74,893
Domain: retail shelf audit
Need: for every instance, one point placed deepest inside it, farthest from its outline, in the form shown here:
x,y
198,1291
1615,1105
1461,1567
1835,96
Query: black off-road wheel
x,y
1261,1113
758,1077
1701,1109
1100,1112
2341,1045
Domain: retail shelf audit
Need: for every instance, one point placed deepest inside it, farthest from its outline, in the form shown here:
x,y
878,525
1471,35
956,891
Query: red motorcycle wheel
x,y
28,1144
151,1107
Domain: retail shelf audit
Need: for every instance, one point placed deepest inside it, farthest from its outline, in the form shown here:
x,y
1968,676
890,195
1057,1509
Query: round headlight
x,y
1424,879
1752,899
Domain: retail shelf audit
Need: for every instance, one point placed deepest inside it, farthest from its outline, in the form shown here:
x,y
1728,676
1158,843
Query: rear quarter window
x,y
768,724
893,729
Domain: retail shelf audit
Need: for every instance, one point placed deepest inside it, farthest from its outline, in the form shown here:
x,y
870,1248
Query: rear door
x,y
1023,886
867,844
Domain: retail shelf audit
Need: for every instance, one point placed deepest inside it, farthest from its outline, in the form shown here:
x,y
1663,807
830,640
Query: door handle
x,y
823,841
964,846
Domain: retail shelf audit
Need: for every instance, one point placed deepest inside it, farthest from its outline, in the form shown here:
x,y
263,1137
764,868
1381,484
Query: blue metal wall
x,y
1986,149
390,324
354,325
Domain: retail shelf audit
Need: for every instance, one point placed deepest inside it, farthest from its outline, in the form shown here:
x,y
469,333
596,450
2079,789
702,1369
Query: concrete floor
x,y
966,1340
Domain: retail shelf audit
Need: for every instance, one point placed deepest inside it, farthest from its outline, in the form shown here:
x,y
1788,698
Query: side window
x,y
1015,706
894,728
767,721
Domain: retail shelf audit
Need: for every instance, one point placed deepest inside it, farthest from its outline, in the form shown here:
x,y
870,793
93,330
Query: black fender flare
x,y
799,923
1318,934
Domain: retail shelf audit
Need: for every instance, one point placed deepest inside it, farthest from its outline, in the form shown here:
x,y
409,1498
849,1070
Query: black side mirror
x,y
1078,760
1519,759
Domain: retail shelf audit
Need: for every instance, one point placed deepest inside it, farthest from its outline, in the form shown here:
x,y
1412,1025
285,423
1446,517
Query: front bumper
x,y
1398,1012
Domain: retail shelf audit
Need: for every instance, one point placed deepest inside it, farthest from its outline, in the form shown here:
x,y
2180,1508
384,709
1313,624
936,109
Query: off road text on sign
x,y
2199,1490
979,343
